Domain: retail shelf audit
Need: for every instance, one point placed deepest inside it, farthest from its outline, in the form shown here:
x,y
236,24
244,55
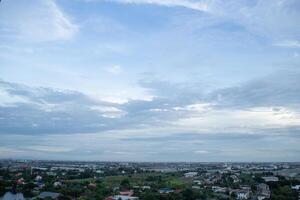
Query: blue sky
x,y
150,80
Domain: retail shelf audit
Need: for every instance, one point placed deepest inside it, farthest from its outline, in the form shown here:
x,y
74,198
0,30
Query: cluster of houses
x,y
20,196
241,193
124,195
210,179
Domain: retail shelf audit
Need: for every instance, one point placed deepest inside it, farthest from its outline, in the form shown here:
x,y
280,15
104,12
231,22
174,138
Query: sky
x,y
150,80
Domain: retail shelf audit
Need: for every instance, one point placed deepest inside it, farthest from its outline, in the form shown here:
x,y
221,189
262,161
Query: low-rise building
x,y
52,195
235,178
165,191
190,174
270,179
11,196
296,187
263,191
219,189
243,194
127,193
121,197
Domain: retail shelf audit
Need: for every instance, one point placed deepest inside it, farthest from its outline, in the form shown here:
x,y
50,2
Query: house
x,y
219,189
52,195
126,193
190,174
38,178
270,179
240,193
109,198
92,185
11,196
235,178
198,182
121,197
263,191
51,173
21,181
165,191
243,194
296,187
146,187
57,184
196,187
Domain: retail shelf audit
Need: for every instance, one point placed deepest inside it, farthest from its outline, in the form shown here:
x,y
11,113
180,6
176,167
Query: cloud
x,y
45,21
278,89
254,106
201,152
115,70
45,110
273,19
51,149
288,44
194,5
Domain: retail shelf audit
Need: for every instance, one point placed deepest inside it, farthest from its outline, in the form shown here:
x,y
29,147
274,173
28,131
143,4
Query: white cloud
x,y
45,21
289,44
7,100
51,149
109,112
201,152
240,120
195,5
198,107
115,70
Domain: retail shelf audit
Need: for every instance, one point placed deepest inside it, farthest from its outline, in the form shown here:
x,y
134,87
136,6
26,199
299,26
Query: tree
x,y
125,183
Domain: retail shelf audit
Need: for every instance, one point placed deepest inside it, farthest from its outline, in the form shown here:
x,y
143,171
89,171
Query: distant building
x,y
11,196
296,187
263,191
219,189
52,195
235,178
57,184
38,178
92,185
146,187
51,173
190,174
127,193
196,187
240,193
270,178
109,198
243,194
121,197
198,182
165,191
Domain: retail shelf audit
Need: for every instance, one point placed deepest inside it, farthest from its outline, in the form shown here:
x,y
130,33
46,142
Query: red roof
x,y
127,193
110,198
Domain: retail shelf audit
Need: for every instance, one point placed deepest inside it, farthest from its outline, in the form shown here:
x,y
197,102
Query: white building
x,y
270,178
243,194
296,187
124,197
11,196
190,174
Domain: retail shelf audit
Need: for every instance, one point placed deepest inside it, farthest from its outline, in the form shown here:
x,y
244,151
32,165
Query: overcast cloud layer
x,y
173,80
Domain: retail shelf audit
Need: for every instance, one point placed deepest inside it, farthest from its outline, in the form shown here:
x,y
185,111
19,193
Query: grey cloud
x,y
50,111
56,111
179,137
177,92
278,89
